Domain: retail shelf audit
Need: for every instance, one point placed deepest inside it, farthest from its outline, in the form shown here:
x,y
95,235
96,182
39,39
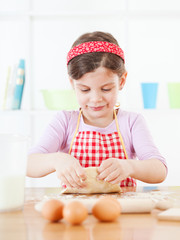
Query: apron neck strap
x,y
77,127
119,133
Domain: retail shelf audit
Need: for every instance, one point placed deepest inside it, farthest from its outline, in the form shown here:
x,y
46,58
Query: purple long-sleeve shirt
x,y
137,139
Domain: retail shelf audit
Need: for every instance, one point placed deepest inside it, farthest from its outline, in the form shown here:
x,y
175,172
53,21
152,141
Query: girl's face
x,y
97,94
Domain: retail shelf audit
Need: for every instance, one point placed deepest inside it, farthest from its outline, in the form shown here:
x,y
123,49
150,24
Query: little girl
x,y
99,134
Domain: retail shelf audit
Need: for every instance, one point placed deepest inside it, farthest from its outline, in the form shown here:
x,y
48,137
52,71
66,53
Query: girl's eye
x,y
84,90
106,89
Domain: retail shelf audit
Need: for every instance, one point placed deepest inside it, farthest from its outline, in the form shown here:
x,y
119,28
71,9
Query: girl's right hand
x,y
69,171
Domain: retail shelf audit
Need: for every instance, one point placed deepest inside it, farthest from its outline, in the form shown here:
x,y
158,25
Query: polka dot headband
x,y
96,46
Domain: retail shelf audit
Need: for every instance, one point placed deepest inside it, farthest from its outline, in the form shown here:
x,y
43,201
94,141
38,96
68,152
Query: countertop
x,y
29,224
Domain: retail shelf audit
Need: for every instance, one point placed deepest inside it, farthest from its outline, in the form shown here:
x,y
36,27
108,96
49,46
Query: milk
x,y
11,191
13,162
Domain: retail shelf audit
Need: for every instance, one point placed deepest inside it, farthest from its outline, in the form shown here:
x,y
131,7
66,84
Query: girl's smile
x,y
97,108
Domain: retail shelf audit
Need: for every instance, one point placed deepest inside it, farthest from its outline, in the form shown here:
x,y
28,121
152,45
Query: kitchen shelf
x,y
121,13
27,112
62,14
51,112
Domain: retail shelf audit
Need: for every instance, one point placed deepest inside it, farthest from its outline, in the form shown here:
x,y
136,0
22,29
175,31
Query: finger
x,y
77,179
68,179
105,164
70,176
81,173
118,180
112,176
64,181
104,174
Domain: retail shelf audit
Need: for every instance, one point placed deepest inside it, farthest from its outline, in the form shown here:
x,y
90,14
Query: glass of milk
x,y
13,159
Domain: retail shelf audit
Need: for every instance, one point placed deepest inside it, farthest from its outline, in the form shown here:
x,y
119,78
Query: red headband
x,y
95,46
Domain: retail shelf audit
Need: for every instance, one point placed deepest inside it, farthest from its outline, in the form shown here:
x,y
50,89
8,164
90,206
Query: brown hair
x,y
89,62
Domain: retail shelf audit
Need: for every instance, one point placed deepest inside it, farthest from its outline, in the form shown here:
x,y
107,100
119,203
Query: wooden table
x,y
29,224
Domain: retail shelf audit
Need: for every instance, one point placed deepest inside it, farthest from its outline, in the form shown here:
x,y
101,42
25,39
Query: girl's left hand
x,y
114,170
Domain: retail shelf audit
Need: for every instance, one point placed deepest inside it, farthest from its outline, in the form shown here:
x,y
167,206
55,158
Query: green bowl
x,y
60,99
174,94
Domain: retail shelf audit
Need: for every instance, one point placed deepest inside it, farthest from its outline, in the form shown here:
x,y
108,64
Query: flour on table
x,y
131,202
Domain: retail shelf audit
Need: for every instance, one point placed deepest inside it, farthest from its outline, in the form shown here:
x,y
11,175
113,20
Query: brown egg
x,y
75,212
52,210
106,209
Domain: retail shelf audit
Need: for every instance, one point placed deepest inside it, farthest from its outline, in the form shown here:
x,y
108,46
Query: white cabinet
x,y
42,32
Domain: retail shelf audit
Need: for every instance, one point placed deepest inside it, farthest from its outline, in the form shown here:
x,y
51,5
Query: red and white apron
x,y
91,148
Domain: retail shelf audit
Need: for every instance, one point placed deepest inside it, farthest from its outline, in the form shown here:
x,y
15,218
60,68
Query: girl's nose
x,y
96,96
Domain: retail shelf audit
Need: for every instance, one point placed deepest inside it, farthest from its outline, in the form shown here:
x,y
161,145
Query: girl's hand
x,y
69,171
114,170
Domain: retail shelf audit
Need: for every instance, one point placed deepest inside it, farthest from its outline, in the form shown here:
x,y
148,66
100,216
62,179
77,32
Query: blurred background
x,y
41,33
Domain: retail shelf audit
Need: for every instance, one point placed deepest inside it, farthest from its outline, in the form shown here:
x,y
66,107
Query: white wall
x,y
43,31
